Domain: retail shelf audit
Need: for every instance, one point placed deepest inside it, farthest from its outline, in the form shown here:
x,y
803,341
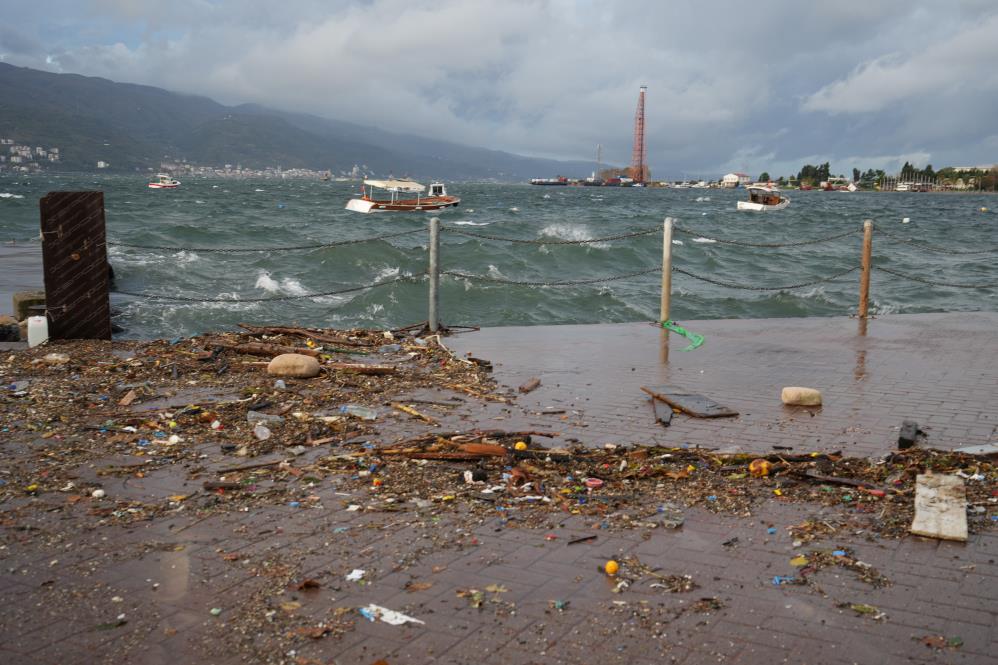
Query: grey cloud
x,y
742,87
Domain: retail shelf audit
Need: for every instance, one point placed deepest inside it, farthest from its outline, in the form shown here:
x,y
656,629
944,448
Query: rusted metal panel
x,y
74,254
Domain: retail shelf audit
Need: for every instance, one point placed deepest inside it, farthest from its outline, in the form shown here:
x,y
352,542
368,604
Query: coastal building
x,y
101,164
732,180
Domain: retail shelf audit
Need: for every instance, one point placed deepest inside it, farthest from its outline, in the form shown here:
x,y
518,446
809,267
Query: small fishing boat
x,y
763,198
397,201
164,181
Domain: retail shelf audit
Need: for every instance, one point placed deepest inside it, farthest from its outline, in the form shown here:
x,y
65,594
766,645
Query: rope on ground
x,y
789,287
922,280
485,236
575,282
741,243
239,300
934,248
240,250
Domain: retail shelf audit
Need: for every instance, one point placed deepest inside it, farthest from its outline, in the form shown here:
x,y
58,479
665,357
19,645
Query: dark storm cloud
x,y
764,86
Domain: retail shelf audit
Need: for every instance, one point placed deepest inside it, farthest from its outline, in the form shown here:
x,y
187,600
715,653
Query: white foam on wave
x,y
184,256
514,209
495,272
288,285
267,283
258,190
386,273
705,241
677,242
465,222
8,195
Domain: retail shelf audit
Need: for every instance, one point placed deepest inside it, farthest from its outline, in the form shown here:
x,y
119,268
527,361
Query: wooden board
x,y
693,404
940,507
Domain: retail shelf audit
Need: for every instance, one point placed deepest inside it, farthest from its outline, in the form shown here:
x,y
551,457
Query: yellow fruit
x,y
611,567
759,468
520,445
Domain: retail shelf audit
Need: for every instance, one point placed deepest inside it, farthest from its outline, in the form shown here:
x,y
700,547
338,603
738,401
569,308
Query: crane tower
x,y
638,168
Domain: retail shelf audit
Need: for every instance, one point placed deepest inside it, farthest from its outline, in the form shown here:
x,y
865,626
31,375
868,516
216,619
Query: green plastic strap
x,y
695,339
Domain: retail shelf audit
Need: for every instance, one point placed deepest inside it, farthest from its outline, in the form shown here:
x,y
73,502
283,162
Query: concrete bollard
x,y
23,301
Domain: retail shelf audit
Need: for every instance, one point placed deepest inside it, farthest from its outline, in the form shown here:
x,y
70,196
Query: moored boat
x,y
559,181
438,198
763,199
164,181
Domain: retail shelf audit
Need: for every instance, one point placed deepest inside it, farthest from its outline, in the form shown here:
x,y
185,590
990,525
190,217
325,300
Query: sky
x,y
762,86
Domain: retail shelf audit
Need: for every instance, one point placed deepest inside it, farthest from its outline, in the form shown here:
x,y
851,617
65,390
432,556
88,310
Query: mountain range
x,y
137,127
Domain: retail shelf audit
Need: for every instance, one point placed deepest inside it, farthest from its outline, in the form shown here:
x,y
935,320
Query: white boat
x,y
164,181
763,199
438,198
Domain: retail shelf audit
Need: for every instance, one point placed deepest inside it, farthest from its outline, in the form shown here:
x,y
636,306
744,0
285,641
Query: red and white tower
x,y
638,155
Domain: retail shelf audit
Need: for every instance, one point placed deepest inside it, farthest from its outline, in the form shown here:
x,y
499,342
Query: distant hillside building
x,y
102,164
732,180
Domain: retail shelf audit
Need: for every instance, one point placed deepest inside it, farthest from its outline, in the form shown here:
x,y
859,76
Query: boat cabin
x,y
766,197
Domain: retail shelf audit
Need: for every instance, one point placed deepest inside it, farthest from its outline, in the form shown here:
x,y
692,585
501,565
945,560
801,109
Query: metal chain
x,y
472,234
153,296
237,250
496,280
768,244
764,288
935,283
932,248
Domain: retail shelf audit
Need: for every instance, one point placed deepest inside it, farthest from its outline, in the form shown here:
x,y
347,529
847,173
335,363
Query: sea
x,y
720,272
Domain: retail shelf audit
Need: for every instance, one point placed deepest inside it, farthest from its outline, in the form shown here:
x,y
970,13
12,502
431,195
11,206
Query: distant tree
x,y
855,175
763,177
782,181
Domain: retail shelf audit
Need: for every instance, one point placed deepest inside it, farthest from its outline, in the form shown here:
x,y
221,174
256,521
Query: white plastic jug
x,y
38,330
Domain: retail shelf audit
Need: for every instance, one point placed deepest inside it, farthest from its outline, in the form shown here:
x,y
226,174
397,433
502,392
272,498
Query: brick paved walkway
x,y
68,575
940,370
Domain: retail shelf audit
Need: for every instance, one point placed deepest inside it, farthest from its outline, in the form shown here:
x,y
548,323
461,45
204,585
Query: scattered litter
x,y
376,612
355,575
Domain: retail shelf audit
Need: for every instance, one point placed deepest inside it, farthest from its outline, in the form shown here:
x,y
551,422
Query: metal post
x,y
434,324
864,276
666,287
666,268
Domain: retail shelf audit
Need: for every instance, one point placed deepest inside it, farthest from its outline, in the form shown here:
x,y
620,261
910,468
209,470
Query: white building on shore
x,y
733,180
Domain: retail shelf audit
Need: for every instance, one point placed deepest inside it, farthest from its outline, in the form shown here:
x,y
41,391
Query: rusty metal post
x,y
434,269
864,276
74,256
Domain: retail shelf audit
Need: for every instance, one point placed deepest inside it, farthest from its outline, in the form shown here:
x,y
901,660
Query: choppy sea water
x,y
281,213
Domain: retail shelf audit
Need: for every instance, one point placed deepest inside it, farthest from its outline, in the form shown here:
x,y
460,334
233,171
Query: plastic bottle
x,y
38,330
358,411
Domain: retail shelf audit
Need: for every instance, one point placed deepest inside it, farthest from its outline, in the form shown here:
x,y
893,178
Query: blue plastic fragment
x,y
781,579
771,529
839,553
367,614
340,529
294,504
712,498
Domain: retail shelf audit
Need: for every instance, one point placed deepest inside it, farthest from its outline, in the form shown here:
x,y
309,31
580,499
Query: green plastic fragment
x,y
695,339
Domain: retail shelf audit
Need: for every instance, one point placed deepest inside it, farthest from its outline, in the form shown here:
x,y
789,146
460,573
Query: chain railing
x,y
244,250
667,268
932,282
936,249
303,296
556,241
768,245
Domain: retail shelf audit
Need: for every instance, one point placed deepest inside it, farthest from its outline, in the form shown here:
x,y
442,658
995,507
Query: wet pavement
x,y
224,581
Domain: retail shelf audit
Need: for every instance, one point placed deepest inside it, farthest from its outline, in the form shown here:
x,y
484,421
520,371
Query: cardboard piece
x,y
693,404
940,507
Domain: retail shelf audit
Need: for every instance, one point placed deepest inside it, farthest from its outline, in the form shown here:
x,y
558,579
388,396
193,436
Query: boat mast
x,y
599,156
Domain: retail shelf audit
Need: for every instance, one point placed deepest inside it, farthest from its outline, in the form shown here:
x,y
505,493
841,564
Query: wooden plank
x,y
693,404
940,507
